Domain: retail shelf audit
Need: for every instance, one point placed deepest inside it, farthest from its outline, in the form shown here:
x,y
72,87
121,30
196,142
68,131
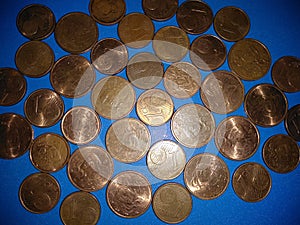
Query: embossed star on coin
x,y
292,122
160,10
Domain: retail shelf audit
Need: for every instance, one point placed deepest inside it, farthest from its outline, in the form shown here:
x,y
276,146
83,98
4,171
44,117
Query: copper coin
x,y
80,125
206,176
292,122
13,86
34,59
80,208
129,194
231,23
286,73
222,92
72,76
90,168
36,22
249,59
160,10
136,30
128,140
265,105
109,56
171,44
251,182
49,152
76,32
193,125
237,138
44,108
182,80
39,193
155,107
145,70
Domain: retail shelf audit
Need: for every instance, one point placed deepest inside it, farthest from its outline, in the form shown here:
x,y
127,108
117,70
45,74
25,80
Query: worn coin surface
x,y
160,10
292,122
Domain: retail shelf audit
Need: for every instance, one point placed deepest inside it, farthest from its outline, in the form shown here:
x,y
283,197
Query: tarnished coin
x,y
44,108
251,182
90,168
128,140
39,193
129,194
154,107
193,125
237,138
249,59
265,105
160,10
292,122
76,32
34,59
206,176
16,135
166,160
113,97
222,92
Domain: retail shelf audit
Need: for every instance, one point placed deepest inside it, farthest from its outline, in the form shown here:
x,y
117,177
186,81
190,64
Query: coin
x,y
160,10
237,138
109,56
193,125
171,44
36,22
13,86
166,160
182,80
292,122
44,108
265,105
128,140
113,97
231,23
206,176
222,92
76,32
208,52
90,168
136,30
154,107
34,59
80,125
49,152
249,59
172,203
251,182
129,194
39,193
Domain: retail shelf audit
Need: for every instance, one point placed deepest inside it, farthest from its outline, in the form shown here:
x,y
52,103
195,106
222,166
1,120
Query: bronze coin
x,y
281,153
44,108
136,30
208,52
13,86
128,140
36,22
80,125
109,56
222,92
39,193
49,152
160,10
206,176
34,59
90,168
72,76
292,122
249,59
76,32
231,23
129,194
237,138
194,17
251,182
265,105
286,73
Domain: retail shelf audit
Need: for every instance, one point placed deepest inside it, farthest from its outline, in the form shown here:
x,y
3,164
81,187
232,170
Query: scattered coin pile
x,y
90,167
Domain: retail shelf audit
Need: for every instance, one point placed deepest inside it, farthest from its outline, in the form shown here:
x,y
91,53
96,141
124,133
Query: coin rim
x,y
291,110
155,18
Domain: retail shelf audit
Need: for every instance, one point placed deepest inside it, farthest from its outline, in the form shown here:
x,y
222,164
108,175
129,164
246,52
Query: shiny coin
x,y
292,122
160,10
